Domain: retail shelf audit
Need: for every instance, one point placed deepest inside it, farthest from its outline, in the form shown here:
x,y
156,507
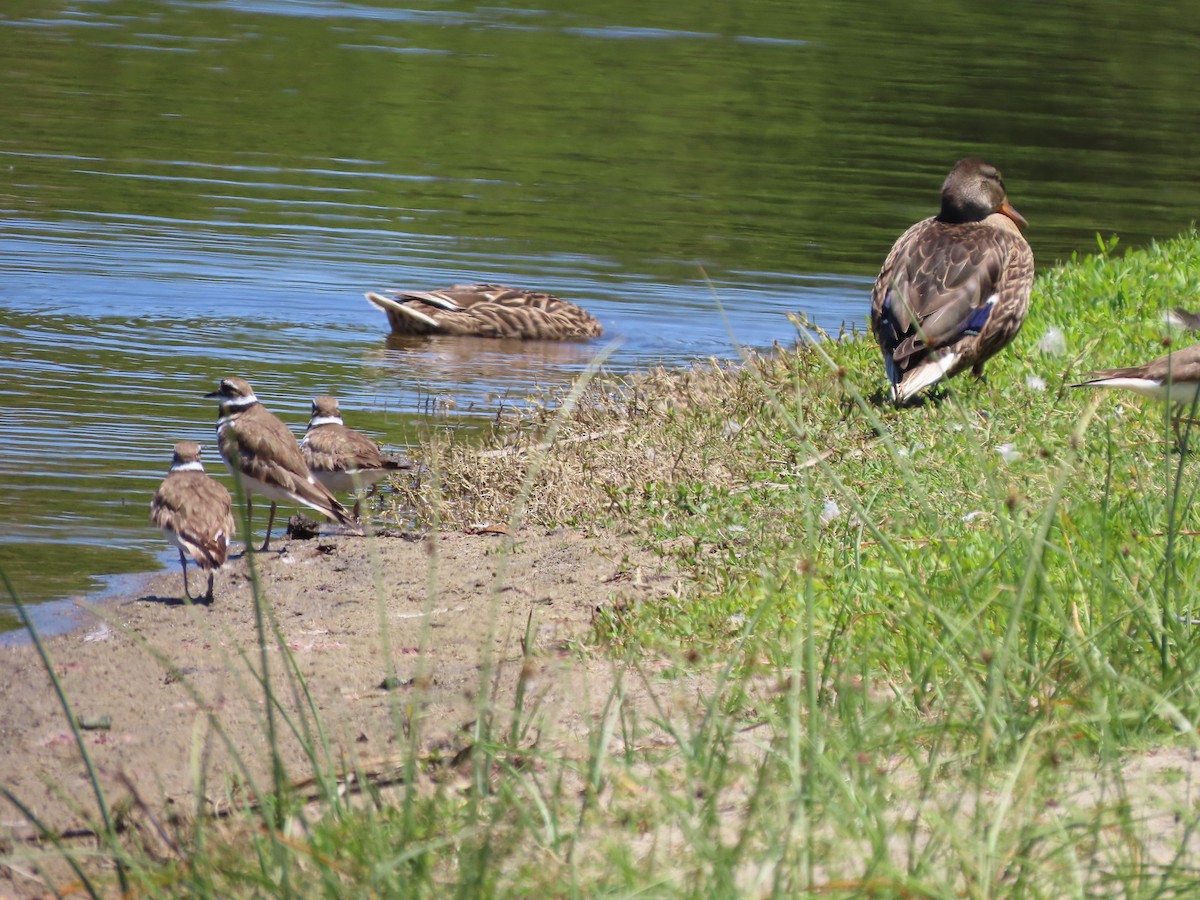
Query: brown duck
x,y
955,288
486,310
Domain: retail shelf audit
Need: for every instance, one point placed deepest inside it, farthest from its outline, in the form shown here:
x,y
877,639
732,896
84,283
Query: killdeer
x,y
195,513
1181,318
262,453
954,290
341,458
1173,377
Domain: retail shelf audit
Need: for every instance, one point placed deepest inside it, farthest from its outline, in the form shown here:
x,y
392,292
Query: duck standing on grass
x,y
195,513
955,288
341,458
486,310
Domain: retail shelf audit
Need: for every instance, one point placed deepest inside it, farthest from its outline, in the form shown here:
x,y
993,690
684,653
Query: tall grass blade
x,y
109,833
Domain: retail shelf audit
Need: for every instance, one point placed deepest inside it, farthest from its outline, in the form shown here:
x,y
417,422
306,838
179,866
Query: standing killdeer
x,y
341,458
262,453
955,287
1174,377
195,513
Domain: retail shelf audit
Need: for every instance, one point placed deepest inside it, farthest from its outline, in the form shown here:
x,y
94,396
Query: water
x,y
190,190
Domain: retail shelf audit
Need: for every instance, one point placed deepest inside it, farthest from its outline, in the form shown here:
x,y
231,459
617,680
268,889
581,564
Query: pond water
x,y
195,189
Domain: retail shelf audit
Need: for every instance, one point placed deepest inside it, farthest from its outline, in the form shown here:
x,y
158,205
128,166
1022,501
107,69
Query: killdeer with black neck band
x,y
341,458
196,514
262,453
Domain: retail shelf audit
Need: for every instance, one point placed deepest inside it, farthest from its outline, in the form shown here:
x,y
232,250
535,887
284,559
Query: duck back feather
x,y
486,310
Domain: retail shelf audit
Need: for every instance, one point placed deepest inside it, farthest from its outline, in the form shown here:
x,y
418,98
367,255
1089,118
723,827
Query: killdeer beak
x,y
1006,208
213,395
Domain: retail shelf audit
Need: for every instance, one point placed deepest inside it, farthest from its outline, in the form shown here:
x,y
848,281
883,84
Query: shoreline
x,y
63,615
455,608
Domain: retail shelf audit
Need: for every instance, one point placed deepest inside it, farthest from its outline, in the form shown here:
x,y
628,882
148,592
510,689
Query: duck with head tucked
x,y
486,310
955,288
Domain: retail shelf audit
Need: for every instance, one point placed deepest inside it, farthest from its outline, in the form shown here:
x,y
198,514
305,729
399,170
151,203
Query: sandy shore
x,y
155,674
146,672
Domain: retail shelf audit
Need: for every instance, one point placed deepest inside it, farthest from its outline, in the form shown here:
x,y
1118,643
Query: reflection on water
x,y
446,361
113,333
191,190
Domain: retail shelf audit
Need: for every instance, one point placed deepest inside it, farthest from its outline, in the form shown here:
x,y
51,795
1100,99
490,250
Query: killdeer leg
x,y
208,598
183,565
1181,433
270,522
1183,427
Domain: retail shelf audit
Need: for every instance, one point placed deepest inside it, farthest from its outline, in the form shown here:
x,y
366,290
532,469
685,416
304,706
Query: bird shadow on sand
x,y
173,601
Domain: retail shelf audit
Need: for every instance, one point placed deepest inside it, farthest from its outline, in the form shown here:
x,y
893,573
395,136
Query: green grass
x,y
916,652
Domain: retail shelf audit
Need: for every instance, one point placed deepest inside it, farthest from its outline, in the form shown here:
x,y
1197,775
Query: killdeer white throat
x,y
195,513
263,454
341,458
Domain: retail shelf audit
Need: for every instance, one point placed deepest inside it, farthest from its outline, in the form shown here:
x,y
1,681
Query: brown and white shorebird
x,y
955,288
262,453
341,458
196,514
1182,318
486,310
1174,377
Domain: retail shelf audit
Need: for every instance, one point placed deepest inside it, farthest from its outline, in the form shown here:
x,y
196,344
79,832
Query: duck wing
x,y
943,282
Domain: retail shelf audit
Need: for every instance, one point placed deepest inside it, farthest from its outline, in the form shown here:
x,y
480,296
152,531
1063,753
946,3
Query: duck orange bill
x,y
1007,209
